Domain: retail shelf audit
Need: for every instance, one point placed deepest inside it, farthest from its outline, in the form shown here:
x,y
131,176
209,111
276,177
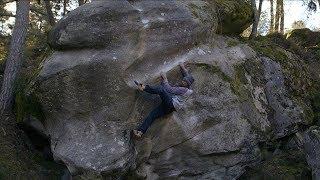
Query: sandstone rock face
x,y
90,101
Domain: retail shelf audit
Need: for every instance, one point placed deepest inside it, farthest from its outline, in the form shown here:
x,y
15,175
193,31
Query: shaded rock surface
x,y
284,164
311,147
90,101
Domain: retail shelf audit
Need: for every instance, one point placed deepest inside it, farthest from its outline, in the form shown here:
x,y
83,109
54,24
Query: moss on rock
x,y
238,84
298,79
205,13
234,16
214,70
285,165
304,37
295,69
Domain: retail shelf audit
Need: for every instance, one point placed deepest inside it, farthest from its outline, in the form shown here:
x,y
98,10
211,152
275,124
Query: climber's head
x,y
187,81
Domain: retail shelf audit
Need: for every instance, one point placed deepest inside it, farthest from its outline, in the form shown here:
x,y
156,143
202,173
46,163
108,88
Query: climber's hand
x,y
141,87
137,134
164,76
182,65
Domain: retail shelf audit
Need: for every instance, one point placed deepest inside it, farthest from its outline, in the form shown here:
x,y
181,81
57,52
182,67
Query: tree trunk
x,y
65,2
255,19
272,16
277,18
50,16
256,13
81,2
282,17
260,7
14,60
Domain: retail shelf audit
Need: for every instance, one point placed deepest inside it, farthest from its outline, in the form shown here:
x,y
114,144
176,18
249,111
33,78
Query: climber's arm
x,y
187,77
174,90
184,70
171,89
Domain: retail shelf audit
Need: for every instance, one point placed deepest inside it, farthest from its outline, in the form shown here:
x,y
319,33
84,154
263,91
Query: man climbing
x,y
171,98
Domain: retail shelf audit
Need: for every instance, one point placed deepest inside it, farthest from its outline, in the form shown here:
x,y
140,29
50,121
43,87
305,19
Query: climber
x,y
171,98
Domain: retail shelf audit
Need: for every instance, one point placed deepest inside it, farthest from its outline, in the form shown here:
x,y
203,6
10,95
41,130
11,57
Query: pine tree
x,y
14,60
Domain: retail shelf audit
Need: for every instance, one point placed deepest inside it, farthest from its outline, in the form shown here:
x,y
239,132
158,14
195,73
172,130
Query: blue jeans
x,y
166,107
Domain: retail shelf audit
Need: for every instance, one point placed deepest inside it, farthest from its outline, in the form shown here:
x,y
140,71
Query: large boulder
x,y
234,16
115,24
90,101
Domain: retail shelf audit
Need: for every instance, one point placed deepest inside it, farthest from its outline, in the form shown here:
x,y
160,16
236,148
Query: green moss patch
x,y
238,84
232,42
214,70
266,47
285,165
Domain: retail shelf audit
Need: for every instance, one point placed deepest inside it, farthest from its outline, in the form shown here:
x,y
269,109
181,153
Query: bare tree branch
x,y
37,11
65,2
6,1
7,15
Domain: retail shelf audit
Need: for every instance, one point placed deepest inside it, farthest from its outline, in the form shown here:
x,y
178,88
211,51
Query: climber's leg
x,y
153,115
153,89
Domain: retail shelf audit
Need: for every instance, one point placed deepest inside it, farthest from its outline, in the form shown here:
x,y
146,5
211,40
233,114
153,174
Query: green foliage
x,y
26,104
36,51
